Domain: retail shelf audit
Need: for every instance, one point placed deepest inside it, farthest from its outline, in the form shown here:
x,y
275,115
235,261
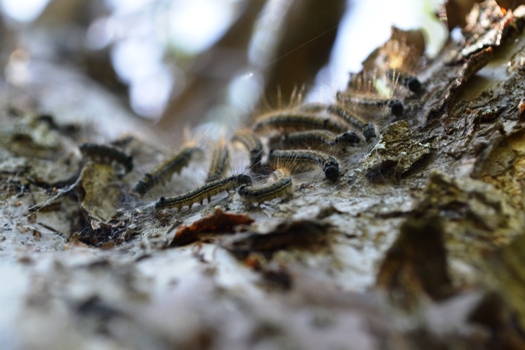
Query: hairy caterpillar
x,y
106,154
252,144
281,187
166,169
204,192
371,105
300,160
297,121
366,128
409,81
219,162
367,92
316,139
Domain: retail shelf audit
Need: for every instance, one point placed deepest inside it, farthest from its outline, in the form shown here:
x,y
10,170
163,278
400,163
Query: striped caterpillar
x,y
371,105
281,187
316,139
219,162
409,81
366,128
252,144
106,154
166,169
204,192
296,121
301,160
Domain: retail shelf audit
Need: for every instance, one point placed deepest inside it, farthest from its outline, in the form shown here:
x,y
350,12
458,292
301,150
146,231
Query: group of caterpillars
x,y
279,144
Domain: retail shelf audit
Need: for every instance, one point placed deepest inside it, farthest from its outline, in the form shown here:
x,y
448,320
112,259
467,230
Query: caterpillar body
x,y
301,160
252,143
166,169
281,187
297,121
219,163
204,192
409,81
370,105
366,128
106,154
317,139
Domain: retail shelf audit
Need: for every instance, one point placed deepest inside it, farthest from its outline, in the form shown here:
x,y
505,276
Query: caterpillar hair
x,y
252,144
204,192
219,162
366,128
411,82
296,121
317,139
363,83
166,169
281,187
105,154
301,160
371,92
280,103
313,107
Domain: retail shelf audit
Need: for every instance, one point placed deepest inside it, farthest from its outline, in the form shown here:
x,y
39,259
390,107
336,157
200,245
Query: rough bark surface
x,y
419,244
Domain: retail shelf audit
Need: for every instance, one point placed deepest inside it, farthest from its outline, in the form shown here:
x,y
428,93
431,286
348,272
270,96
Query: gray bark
x,y
411,248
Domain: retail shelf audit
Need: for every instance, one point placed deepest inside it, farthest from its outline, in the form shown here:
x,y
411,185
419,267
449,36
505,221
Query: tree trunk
x,y
418,244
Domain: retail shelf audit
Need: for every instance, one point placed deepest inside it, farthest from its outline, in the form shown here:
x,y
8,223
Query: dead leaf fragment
x,y
302,234
218,222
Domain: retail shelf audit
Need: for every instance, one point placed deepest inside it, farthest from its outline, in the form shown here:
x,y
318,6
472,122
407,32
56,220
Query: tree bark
x,y
418,244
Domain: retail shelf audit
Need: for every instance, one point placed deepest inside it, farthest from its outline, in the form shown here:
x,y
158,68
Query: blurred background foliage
x,y
176,63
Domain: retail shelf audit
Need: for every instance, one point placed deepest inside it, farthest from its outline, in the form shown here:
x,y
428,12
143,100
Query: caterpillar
x,y
106,154
252,144
296,121
411,82
366,128
370,104
166,169
204,192
300,160
365,92
317,139
219,162
281,187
